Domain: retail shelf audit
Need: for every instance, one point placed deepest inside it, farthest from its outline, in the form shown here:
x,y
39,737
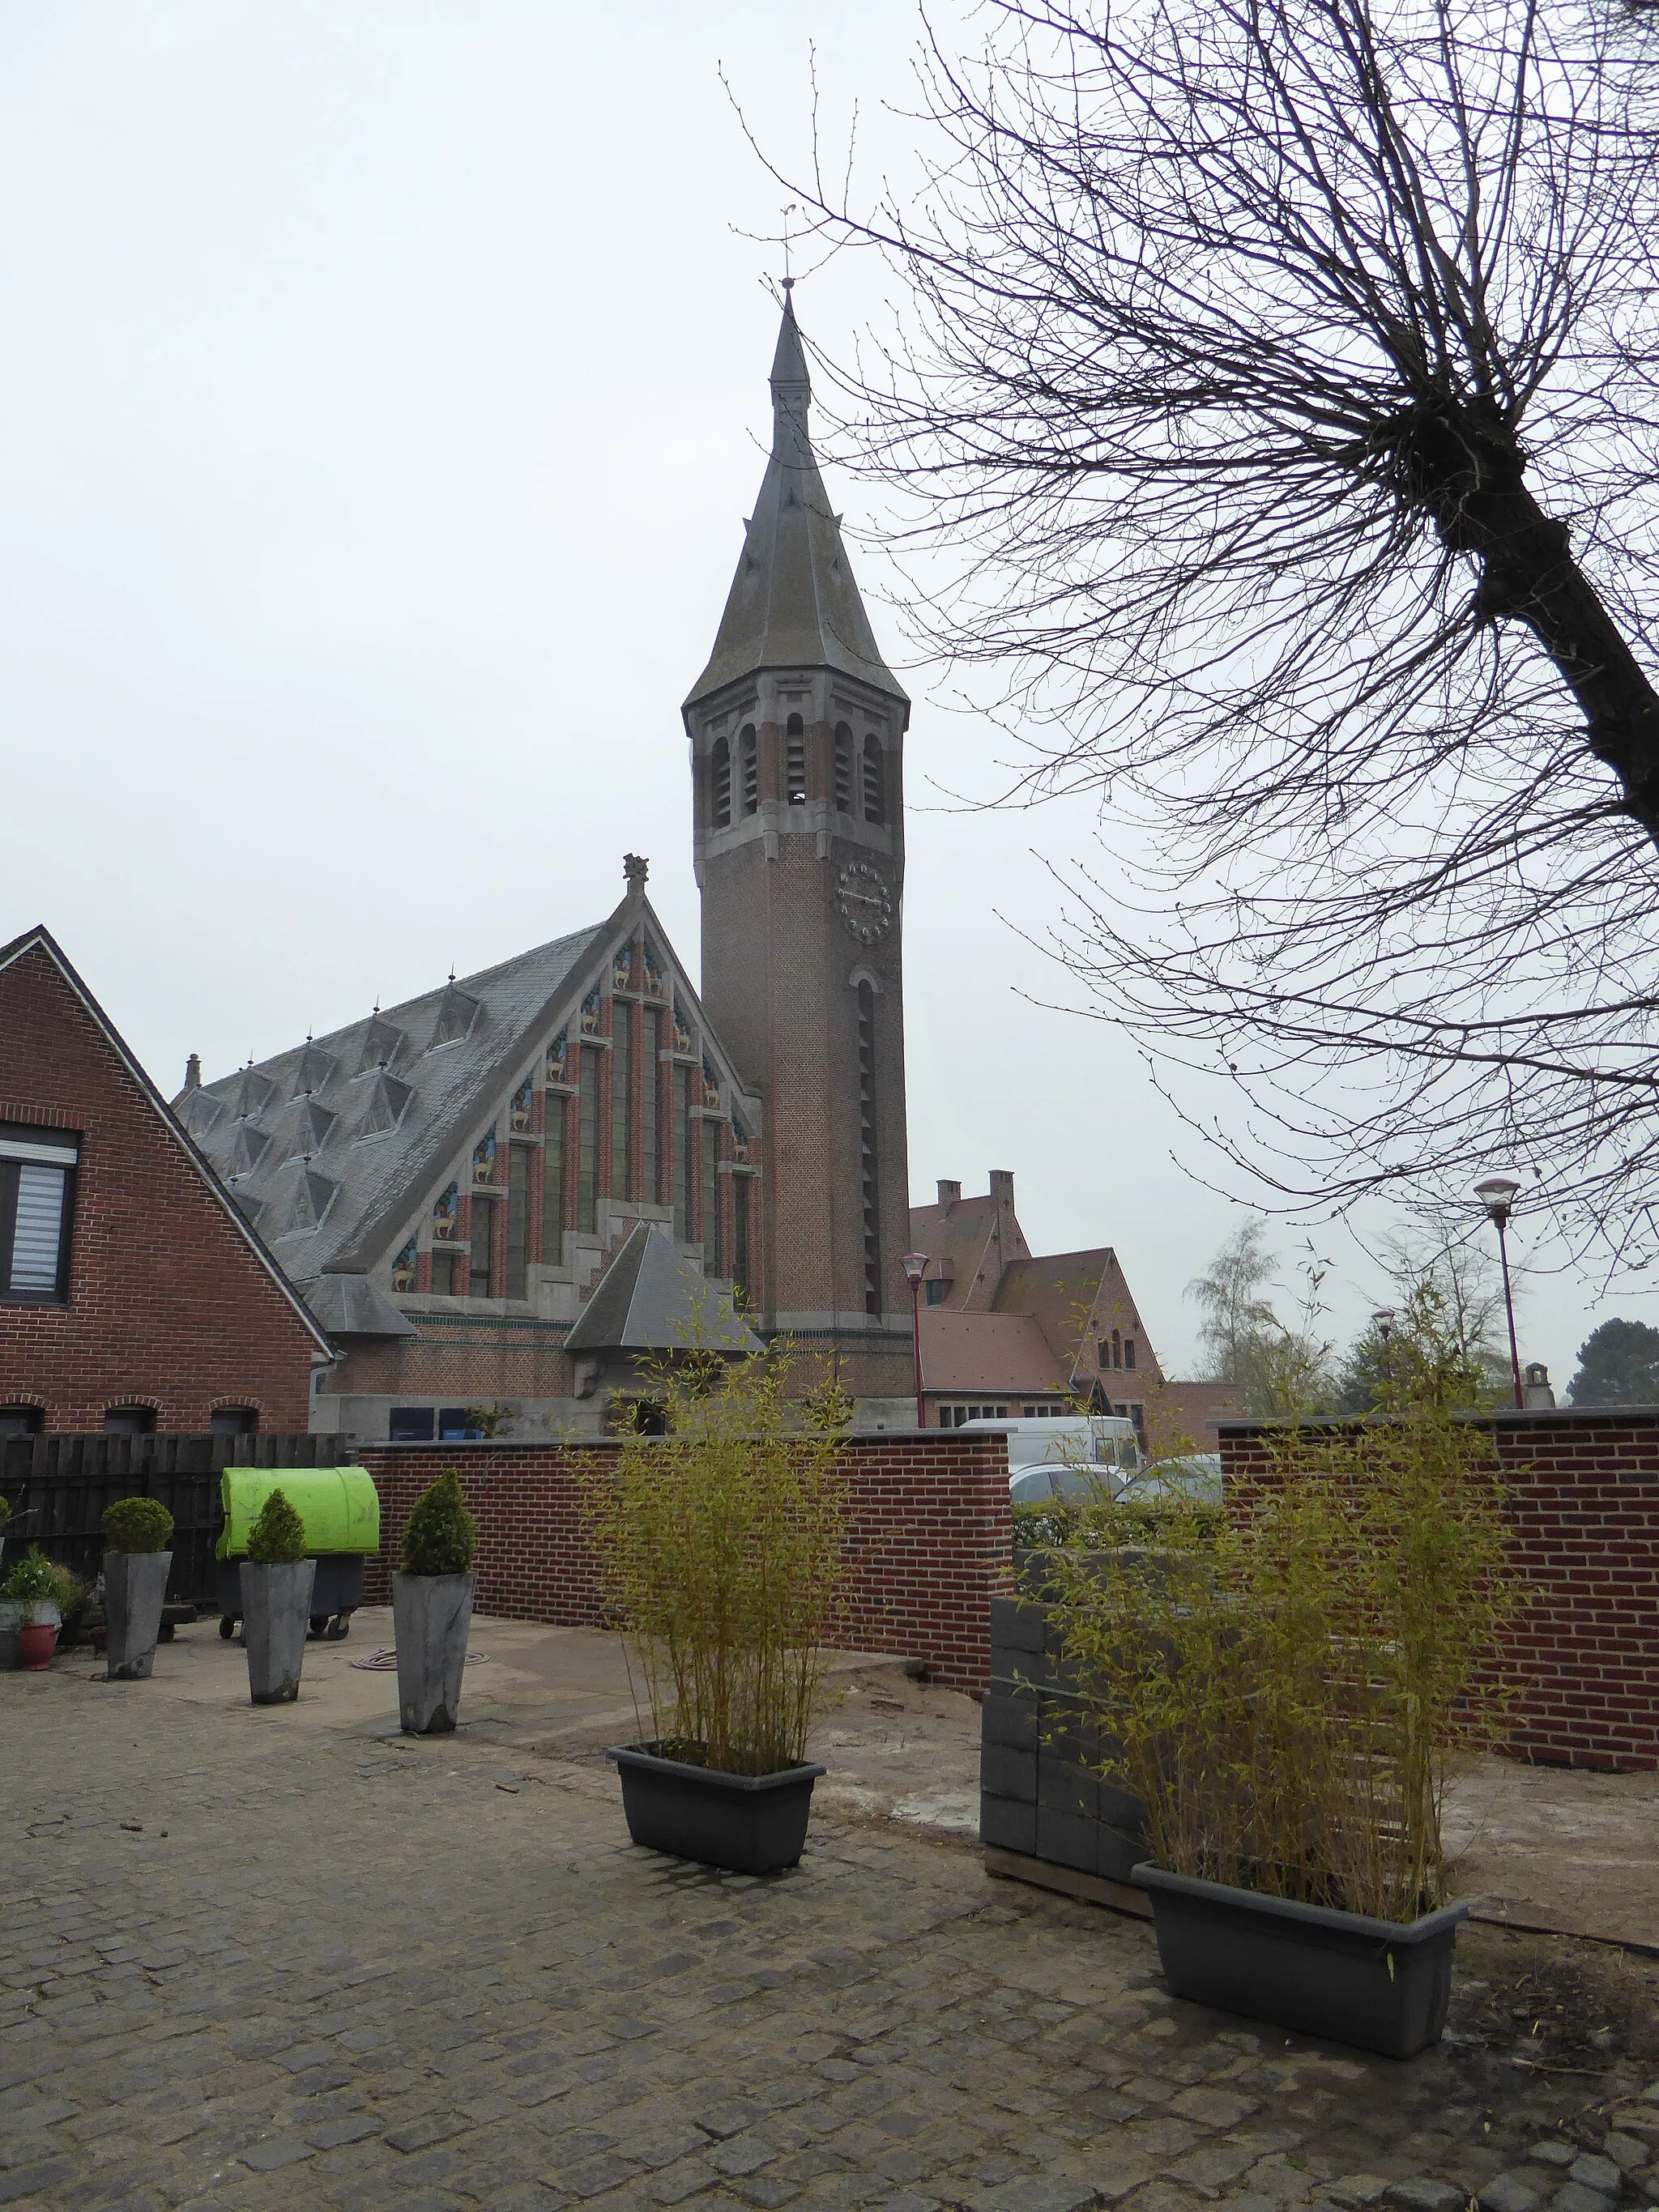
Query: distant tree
x,y
1439,1344
1275,1368
1617,1365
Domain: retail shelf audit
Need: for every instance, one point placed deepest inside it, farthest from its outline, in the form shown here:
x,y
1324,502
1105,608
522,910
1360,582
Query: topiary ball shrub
x,y
441,1538
136,1525
278,1538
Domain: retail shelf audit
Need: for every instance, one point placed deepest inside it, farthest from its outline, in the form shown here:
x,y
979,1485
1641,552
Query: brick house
x,y
133,1294
1008,1334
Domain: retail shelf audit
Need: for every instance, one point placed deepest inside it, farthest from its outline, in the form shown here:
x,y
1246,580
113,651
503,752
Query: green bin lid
x,y
339,1506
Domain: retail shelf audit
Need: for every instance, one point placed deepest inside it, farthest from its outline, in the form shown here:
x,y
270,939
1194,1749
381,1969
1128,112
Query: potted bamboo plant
x,y
137,1564
1287,1698
431,1608
721,1545
33,1585
276,1579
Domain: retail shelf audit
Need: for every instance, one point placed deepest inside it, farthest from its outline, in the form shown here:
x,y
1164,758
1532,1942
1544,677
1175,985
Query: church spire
x,y
793,602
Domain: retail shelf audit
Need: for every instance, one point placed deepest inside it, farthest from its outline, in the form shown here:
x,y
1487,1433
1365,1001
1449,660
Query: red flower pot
x,y
35,1645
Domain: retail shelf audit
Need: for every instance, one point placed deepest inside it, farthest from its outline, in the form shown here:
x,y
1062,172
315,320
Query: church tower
x,y
797,729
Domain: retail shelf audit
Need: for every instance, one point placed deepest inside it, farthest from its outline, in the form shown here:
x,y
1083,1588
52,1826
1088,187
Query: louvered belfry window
x,y
721,766
794,766
36,1191
749,763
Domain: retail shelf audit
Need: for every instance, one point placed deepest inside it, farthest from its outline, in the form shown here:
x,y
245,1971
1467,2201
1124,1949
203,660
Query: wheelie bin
x,y
340,1507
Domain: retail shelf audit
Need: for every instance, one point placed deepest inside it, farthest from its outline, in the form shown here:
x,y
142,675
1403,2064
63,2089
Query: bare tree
x,y
1277,380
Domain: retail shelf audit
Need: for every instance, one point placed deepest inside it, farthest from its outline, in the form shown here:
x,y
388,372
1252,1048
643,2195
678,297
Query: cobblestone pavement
x,y
243,1965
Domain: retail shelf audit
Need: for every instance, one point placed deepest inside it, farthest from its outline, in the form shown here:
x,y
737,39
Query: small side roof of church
x,y
649,1299
793,602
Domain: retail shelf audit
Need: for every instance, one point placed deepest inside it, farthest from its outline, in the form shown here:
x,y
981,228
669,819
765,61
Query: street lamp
x,y
1497,1195
915,1266
1382,1322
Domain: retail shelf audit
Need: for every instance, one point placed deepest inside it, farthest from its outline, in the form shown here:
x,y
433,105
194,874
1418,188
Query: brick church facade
x,y
510,1193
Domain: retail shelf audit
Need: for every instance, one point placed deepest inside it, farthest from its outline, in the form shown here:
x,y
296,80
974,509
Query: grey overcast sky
x,y
383,387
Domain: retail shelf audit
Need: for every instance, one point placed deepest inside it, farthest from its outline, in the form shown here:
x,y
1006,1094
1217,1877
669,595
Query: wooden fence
x,y
57,1487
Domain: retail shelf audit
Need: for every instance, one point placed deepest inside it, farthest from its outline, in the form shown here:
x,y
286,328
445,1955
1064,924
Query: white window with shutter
x,y
37,1176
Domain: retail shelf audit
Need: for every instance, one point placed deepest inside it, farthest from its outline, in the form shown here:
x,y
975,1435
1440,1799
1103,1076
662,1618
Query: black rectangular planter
x,y
748,1823
1379,1984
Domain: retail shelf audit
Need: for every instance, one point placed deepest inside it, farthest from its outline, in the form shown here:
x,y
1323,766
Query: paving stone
x,y
1356,2190
1626,2152
280,2151
1574,2197
1517,2190
1603,2175
1551,2151
1421,2193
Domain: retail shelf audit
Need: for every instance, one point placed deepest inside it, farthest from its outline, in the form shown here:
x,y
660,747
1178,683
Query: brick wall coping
x,y
1507,1417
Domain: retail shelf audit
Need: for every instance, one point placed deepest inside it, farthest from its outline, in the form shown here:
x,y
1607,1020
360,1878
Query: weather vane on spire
x,y
794,208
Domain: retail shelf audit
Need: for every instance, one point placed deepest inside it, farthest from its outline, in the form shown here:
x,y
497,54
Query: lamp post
x,y
1498,1195
1382,1321
915,1266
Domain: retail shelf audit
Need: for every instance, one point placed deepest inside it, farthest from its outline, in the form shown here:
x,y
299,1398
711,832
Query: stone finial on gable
x,y
635,871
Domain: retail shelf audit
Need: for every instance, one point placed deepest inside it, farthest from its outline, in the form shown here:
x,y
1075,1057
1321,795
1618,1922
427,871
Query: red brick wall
x,y
930,1539
1585,1517
168,1306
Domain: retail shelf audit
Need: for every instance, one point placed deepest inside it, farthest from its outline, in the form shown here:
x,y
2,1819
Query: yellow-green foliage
x,y
1288,1693
720,1545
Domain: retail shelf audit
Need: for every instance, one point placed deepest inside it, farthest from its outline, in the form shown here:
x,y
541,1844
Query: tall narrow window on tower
x,y
588,1142
868,1148
685,1158
622,1100
721,783
843,768
711,1200
794,765
651,1084
875,796
749,762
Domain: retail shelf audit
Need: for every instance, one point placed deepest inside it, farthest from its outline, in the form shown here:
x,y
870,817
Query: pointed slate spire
x,y
793,602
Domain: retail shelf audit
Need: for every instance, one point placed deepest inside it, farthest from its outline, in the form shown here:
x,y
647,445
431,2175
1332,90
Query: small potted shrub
x,y
137,1564
276,1580
719,1545
431,1608
33,1584
1287,1697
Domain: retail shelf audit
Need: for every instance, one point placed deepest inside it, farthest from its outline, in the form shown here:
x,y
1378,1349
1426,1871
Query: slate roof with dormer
x,y
332,1149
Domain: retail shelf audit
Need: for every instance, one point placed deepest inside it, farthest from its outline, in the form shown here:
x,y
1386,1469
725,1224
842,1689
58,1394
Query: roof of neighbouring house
x,y
986,1351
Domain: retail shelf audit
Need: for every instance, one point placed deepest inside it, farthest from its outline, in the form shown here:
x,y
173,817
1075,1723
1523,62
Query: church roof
x,y
329,1147
793,602
651,1300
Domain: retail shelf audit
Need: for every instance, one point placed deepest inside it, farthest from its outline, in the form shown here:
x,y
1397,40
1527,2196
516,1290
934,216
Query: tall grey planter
x,y
135,1589
431,1615
276,1614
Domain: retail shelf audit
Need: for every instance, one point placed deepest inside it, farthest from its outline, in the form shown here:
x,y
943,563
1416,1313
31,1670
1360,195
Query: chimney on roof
x,y
949,1192
1002,1184
194,1072
634,872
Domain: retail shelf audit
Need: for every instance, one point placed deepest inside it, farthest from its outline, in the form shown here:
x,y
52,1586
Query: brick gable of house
x,y
172,1304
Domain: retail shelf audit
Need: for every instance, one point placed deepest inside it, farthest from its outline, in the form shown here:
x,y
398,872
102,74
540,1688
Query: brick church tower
x,y
797,729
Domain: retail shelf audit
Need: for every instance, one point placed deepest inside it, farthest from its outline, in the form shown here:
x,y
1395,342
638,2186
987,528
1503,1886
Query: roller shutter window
x,y
37,1189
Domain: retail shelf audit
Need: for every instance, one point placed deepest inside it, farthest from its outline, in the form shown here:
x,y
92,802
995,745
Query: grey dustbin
x,y
135,1591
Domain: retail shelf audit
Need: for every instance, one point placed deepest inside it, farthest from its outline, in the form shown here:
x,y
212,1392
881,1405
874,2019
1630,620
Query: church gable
x,y
444,1147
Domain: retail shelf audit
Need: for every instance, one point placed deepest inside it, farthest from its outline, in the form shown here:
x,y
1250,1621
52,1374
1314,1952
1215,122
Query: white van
x,y
1088,1456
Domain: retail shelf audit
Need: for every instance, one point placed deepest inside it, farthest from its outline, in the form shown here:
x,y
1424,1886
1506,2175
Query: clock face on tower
x,y
864,901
